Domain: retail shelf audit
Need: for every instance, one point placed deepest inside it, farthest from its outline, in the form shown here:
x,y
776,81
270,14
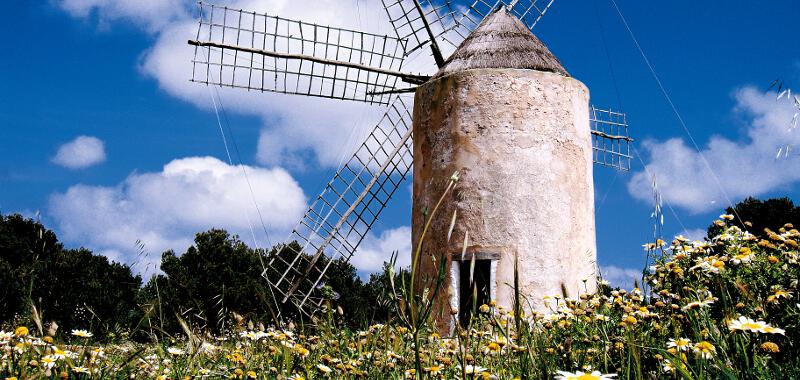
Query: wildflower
x,y
59,354
726,217
649,246
474,369
21,331
324,369
773,330
778,294
668,366
300,350
491,348
705,350
433,370
745,255
175,351
699,304
5,336
80,369
596,375
746,324
252,335
501,340
628,320
770,347
601,317
680,344
410,373
48,361
484,309
252,374
207,348
81,333
709,265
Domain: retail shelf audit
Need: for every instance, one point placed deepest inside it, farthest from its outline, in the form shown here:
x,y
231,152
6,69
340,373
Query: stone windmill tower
x,y
504,113
501,110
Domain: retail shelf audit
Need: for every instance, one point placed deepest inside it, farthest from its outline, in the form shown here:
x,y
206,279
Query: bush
x,y
217,283
72,287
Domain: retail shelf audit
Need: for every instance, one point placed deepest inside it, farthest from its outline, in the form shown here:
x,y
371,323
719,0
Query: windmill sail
x,y
451,24
528,11
237,48
340,217
412,26
610,140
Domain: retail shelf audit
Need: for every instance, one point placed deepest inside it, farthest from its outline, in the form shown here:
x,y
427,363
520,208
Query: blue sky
x,y
114,73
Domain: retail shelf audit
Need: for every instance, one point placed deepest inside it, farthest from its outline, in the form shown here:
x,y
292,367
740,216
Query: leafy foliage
x,y
70,286
755,215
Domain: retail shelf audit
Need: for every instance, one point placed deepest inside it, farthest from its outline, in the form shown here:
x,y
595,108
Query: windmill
x,y
261,52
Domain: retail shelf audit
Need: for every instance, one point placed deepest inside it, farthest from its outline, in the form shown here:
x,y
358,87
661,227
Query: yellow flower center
x,y
752,326
705,346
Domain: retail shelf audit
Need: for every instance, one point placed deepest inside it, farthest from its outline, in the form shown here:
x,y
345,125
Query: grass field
x,y
720,308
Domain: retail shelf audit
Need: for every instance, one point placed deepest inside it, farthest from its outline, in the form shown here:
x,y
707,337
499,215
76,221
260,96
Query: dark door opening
x,y
474,291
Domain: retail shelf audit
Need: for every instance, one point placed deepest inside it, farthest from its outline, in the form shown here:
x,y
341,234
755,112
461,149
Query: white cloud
x,y
375,250
165,209
745,167
621,277
695,234
293,126
152,15
297,131
83,152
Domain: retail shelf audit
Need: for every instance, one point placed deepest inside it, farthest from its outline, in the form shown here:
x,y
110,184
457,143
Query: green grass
x,y
723,308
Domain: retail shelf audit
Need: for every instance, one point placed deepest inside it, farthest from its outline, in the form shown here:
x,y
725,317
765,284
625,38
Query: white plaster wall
x,y
522,143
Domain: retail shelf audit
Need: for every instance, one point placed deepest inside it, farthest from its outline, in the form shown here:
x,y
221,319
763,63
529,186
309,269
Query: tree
x,y
218,275
72,287
772,213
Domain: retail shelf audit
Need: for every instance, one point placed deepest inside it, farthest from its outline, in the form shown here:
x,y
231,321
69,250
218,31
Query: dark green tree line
x,y
213,285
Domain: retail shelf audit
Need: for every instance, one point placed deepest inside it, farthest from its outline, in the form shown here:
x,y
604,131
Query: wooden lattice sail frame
x,y
261,52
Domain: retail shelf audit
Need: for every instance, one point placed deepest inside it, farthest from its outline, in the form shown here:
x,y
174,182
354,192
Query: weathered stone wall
x,y
522,143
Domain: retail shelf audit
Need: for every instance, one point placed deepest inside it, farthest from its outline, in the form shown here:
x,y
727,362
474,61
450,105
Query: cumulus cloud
x,y
296,130
695,234
152,15
375,250
83,152
157,211
621,277
744,167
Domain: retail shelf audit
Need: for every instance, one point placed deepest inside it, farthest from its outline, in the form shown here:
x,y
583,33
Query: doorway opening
x,y
475,291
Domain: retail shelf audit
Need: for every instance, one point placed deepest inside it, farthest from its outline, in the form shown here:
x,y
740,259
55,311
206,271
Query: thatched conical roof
x,y
502,41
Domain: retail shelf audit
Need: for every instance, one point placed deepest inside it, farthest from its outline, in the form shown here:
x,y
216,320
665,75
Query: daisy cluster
x,y
721,307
